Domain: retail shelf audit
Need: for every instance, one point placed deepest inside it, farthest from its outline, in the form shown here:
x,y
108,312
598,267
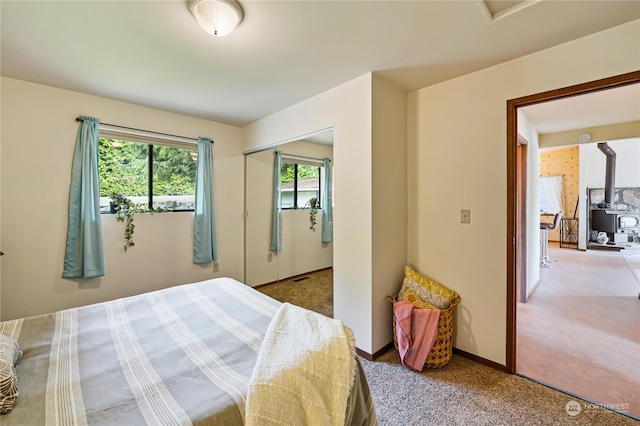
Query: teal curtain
x,y
276,213
84,257
205,247
327,204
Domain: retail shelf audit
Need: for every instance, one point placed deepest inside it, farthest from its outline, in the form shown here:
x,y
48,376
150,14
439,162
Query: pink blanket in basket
x,y
416,332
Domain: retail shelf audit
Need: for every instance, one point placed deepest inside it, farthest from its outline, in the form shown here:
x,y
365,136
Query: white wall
x,y
594,163
38,138
258,200
302,248
457,159
533,201
389,203
369,194
347,109
0,210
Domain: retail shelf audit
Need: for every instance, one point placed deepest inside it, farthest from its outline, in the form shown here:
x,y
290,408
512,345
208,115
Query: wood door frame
x,y
521,223
512,180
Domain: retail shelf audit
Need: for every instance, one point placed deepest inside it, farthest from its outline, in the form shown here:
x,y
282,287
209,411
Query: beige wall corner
x,y
457,159
40,121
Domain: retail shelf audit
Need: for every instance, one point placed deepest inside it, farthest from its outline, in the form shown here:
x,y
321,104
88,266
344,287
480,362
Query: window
x,y
551,194
152,176
543,202
299,183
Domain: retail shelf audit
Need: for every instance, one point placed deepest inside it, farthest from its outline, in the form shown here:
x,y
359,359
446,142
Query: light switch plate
x,y
465,216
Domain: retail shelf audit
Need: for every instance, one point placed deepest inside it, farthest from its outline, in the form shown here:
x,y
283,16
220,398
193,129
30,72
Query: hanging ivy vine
x,y
313,204
124,210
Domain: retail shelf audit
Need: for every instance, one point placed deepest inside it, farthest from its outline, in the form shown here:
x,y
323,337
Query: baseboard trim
x,y
532,289
377,354
480,360
292,277
459,352
363,354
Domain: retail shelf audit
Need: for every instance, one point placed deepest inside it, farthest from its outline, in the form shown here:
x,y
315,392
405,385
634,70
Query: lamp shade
x,y
217,17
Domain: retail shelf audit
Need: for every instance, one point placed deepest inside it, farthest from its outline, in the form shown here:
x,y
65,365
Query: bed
x,y
203,353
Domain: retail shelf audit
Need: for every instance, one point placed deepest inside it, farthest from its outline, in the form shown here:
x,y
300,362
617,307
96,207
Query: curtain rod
x,y
146,131
302,157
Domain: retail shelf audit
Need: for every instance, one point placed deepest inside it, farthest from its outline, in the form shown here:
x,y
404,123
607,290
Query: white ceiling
x,y
153,53
602,108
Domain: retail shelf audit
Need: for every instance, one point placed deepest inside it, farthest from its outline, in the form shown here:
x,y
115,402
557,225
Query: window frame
x,y
295,184
150,142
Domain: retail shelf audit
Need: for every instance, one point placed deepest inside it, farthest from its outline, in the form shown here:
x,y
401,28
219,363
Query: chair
x,y
545,227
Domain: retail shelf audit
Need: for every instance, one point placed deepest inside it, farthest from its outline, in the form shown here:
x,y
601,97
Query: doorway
x,y
515,233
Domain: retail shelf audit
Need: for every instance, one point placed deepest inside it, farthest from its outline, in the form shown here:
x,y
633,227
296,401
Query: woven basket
x,y
442,348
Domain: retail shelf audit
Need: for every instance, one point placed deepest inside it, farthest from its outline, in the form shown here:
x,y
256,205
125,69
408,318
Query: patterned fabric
x,y
138,360
306,368
10,354
63,397
409,293
425,293
179,356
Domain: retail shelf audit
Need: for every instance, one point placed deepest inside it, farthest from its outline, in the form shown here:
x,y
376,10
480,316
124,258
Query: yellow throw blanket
x,y
304,372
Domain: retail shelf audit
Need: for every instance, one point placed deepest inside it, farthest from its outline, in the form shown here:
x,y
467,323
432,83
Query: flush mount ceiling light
x,y
217,17
584,138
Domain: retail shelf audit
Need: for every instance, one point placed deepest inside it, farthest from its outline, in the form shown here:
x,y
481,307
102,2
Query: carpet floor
x,y
467,393
461,393
313,291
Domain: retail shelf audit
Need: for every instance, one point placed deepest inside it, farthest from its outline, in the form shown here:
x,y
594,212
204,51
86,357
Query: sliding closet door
x,y
302,248
261,265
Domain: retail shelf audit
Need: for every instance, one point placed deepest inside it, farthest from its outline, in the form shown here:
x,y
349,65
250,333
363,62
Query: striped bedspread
x,y
178,356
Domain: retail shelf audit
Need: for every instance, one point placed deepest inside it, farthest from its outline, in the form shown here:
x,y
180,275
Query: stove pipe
x,y
610,177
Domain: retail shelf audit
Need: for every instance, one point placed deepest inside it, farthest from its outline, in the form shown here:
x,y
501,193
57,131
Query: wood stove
x,y
604,217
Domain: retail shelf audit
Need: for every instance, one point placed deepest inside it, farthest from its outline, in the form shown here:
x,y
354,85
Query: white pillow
x,y
10,354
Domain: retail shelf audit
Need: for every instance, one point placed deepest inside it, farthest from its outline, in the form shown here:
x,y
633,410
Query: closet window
x,y
299,183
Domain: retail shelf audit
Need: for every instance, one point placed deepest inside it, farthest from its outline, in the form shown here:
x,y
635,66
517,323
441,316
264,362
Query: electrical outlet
x,y
216,267
269,257
465,216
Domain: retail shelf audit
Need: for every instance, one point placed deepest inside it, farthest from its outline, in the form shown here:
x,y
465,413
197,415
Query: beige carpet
x,y
313,291
461,393
467,393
